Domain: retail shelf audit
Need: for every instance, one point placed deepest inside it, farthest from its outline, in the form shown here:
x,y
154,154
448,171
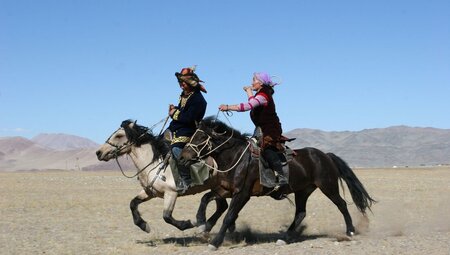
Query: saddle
x,y
284,139
256,149
200,171
266,174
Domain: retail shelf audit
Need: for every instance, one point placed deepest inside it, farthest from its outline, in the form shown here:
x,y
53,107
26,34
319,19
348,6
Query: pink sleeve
x,y
252,103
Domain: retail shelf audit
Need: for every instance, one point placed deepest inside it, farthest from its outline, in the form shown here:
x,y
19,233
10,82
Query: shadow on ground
x,y
246,236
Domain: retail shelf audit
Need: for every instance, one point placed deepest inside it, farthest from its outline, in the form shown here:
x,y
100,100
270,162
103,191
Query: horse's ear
x,y
198,124
132,124
125,123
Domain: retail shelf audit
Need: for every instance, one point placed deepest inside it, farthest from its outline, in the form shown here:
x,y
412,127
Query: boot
x,y
282,180
275,163
282,158
185,180
183,186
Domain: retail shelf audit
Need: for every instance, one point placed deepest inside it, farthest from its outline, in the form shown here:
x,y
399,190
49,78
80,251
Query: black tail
x,y
359,194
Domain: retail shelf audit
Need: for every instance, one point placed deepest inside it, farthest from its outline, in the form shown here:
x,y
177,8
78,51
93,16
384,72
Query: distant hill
x,y
63,142
380,147
53,151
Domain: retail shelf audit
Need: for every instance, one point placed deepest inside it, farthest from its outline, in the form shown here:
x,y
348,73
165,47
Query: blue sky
x,y
81,67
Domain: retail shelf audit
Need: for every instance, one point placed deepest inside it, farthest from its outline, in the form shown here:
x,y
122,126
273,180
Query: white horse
x,y
147,153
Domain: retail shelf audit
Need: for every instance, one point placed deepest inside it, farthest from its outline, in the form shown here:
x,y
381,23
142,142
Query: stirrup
x,y
182,187
282,180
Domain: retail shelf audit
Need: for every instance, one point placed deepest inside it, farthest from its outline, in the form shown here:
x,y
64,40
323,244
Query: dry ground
x,y
88,213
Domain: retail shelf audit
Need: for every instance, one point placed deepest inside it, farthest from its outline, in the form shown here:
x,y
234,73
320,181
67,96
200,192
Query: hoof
x,y
212,247
190,224
350,234
201,228
144,226
204,237
343,238
280,242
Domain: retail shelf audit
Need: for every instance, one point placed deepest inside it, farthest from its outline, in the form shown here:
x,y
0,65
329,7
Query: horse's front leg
x,y
201,212
221,206
169,204
237,203
138,221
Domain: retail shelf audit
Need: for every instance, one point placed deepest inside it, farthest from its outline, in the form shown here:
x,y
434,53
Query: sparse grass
x,y
88,212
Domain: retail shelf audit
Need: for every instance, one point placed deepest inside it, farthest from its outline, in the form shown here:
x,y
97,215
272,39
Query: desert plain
x,y
78,212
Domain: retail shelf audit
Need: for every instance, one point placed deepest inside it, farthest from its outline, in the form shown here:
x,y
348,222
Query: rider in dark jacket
x,y
190,110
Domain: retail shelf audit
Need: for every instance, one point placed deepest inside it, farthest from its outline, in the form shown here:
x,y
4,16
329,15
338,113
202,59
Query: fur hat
x,y
188,76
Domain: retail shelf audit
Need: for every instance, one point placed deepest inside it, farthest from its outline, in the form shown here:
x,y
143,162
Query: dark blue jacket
x,y
184,120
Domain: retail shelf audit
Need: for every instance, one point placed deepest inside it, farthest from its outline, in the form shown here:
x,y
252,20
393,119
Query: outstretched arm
x,y
253,102
229,107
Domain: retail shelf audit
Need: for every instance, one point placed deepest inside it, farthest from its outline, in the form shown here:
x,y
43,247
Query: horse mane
x,y
139,135
214,126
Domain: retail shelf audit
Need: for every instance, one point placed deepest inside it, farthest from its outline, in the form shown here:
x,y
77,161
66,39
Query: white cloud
x,y
20,130
15,130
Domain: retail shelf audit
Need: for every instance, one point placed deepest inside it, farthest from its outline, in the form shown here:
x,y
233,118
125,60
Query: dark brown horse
x,y
310,169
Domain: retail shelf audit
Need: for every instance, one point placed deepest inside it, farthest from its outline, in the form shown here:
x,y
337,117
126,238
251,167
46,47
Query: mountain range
x,y
379,147
53,152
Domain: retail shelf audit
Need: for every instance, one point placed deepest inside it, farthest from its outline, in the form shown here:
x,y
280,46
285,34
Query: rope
x,y
119,148
140,170
162,128
163,119
195,147
235,164
225,113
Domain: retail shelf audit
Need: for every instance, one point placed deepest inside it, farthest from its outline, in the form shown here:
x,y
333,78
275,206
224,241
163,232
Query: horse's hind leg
x,y
169,204
138,221
332,192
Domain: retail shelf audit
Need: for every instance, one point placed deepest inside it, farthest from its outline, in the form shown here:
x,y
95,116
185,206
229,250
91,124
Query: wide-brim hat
x,y
188,76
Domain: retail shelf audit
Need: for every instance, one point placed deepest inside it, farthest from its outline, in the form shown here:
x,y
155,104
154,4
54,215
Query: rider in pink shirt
x,y
253,102
263,115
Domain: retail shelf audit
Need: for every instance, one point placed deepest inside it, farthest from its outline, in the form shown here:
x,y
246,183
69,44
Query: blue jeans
x,y
176,151
182,169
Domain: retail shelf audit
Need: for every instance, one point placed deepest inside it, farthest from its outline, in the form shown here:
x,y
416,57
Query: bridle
x,y
119,148
198,148
205,144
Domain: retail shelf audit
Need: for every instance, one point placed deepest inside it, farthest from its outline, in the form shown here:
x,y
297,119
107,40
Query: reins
x,y
235,164
140,170
162,128
119,148
194,147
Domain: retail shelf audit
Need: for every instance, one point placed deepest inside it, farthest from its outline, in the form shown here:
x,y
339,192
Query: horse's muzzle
x,y
99,155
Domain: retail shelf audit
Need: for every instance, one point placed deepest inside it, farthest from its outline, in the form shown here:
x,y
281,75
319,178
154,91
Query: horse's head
x,y
210,138
128,135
